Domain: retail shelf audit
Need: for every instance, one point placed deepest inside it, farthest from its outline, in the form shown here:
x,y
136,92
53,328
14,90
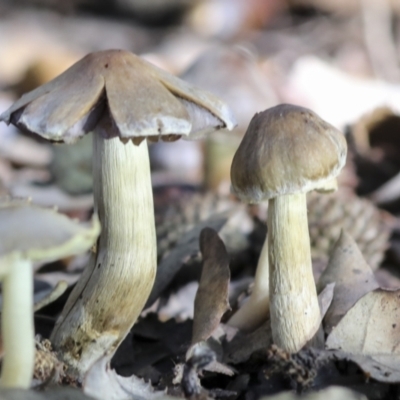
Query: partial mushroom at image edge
x,y
23,241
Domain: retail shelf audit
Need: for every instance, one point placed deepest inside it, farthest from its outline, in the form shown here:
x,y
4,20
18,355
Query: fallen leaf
x,y
371,326
103,383
211,300
353,278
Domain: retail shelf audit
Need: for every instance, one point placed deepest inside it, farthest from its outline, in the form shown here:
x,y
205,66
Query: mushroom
x,y
286,152
121,97
29,233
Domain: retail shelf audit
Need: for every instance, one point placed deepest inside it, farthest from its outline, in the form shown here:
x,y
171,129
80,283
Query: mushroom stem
x,y
96,317
295,314
255,311
17,324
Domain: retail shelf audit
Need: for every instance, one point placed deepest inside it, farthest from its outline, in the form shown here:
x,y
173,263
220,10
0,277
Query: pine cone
x,y
369,226
327,215
175,218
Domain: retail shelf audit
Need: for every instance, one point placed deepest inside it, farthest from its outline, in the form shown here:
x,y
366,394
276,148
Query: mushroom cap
x,y
41,234
141,100
286,149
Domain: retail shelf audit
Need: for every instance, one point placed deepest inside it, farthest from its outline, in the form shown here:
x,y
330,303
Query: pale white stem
x,y
17,325
255,311
113,290
295,314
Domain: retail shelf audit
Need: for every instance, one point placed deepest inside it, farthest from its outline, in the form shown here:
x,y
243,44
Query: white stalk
x,y
114,288
295,314
17,325
255,311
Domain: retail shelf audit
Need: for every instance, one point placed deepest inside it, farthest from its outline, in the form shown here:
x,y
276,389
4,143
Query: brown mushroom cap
x,y
286,149
142,100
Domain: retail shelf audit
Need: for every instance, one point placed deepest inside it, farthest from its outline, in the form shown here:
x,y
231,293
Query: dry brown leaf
x,y
352,275
211,300
371,326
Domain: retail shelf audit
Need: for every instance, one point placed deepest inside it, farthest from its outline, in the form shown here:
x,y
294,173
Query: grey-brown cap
x,y
141,99
286,149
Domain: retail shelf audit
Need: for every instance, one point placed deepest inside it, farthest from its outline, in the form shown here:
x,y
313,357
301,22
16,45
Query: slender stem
x,y
255,311
17,326
295,314
112,292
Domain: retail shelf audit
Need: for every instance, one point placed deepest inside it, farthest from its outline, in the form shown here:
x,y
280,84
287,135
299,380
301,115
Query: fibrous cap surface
x,y
141,100
287,149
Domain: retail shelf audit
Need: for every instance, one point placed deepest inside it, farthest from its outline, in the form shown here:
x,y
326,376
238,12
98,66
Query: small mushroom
x,y
29,233
125,100
286,152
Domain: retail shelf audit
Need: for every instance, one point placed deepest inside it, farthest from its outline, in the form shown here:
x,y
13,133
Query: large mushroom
x,y
29,233
286,152
120,97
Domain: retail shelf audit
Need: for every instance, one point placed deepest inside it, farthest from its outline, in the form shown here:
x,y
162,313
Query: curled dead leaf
x,y
353,278
211,300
